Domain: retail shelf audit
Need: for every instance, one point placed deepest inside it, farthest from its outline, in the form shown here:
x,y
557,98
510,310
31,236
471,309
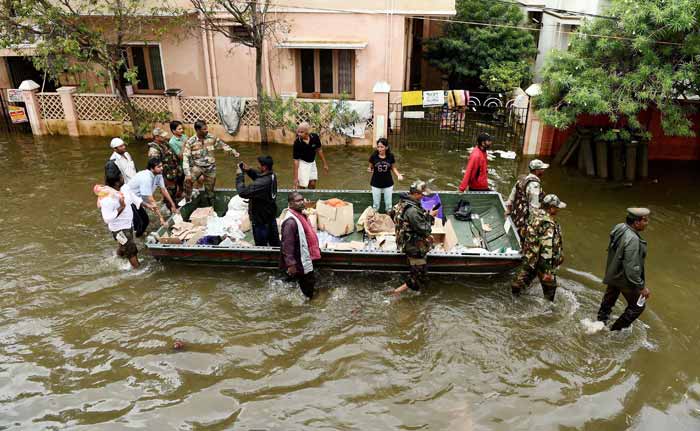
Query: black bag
x,y
463,211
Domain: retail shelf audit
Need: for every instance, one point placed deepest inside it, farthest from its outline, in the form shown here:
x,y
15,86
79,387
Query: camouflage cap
x,y
553,200
159,132
638,211
537,164
419,186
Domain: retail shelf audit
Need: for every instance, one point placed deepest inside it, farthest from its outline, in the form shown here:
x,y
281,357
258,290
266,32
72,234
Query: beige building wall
x,y
232,67
184,64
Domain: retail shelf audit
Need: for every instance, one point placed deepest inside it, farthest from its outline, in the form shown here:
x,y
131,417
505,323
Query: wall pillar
x,y
533,133
175,107
381,109
31,103
69,112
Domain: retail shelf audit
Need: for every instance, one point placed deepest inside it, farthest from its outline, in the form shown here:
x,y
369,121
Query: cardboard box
x,y
336,220
200,216
444,235
169,240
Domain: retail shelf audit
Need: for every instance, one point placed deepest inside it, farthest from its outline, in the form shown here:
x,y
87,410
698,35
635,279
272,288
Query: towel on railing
x,y
364,112
230,110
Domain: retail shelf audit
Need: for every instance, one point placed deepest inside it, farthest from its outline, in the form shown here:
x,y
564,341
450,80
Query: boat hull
x,y
486,263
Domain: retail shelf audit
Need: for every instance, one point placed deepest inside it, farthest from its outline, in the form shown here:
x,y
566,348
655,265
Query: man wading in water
x,y
624,271
413,235
306,146
526,196
299,246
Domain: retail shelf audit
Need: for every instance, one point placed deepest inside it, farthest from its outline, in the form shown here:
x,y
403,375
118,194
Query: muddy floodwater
x,y
86,343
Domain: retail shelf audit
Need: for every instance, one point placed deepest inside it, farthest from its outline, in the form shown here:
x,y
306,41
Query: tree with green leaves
x,y
647,55
248,23
483,56
88,38
328,119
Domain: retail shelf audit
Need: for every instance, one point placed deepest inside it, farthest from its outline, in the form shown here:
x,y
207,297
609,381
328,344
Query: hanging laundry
x,y
434,98
456,98
460,98
411,98
364,113
230,110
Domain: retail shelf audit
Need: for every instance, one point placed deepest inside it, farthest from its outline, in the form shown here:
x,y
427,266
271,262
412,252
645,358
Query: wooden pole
x,y
618,172
588,161
601,155
631,160
564,149
572,149
643,159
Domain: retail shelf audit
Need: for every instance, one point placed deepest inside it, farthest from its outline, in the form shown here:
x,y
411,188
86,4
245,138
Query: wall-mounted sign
x,y
14,95
433,98
17,114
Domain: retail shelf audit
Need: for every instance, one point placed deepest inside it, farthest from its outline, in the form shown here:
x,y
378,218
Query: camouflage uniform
x,y
527,194
413,230
199,163
542,254
171,165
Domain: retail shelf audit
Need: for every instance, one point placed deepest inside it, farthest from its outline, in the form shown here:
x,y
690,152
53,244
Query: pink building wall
x,y
184,60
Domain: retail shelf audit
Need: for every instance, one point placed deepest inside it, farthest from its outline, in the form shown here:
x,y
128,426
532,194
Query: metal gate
x,y
6,125
458,128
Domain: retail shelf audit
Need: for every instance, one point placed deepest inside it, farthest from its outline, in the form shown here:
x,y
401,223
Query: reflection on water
x,y
86,343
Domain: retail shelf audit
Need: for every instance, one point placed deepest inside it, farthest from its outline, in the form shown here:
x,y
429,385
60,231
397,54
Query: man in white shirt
x,y
143,185
117,213
122,159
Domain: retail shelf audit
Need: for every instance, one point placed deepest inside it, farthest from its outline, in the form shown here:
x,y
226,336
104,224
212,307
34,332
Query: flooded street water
x,y
86,343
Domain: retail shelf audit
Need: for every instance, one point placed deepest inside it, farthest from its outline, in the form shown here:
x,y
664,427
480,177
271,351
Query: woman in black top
x,y
381,164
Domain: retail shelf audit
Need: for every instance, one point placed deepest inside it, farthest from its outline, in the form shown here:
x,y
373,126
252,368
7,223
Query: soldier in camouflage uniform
x,y
159,149
413,234
525,196
198,160
542,252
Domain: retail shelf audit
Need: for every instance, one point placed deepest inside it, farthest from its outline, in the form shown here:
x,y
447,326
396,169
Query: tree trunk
x,y
260,93
131,110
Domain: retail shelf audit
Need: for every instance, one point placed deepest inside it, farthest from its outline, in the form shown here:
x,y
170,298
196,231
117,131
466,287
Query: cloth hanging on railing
x,y
230,110
412,98
364,112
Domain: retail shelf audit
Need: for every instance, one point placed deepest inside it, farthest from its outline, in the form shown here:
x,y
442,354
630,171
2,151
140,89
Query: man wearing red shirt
x,y
477,172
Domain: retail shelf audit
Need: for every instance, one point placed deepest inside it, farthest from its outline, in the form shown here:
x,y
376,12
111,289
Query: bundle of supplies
x,y
335,216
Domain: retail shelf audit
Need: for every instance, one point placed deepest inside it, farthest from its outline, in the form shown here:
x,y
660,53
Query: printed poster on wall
x,y
14,95
17,114
433,98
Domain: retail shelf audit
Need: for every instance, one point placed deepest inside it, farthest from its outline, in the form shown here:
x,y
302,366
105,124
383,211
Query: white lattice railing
x,y
108,107
155,104
199,108
50,106
99,107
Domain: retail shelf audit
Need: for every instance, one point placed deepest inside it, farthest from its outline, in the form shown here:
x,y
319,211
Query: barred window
x,y
326,73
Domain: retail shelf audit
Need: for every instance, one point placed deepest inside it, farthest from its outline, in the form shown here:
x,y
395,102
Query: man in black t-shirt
x,y
306,146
